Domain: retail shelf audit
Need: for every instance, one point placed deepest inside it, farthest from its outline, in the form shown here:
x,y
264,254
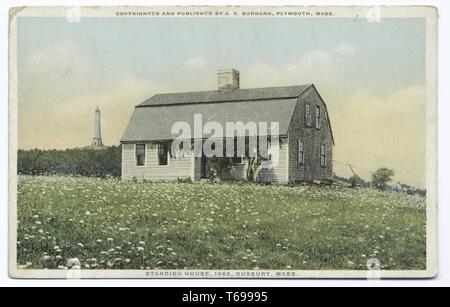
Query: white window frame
x,y
136,157
157,155
308,115
317,116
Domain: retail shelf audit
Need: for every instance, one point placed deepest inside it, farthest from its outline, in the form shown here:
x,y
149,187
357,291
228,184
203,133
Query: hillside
x,y
110,224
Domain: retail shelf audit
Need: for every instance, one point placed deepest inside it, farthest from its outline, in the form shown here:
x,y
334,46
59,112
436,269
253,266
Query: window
x,y
163,153
317,117
140,154
308,114
301,152
323,160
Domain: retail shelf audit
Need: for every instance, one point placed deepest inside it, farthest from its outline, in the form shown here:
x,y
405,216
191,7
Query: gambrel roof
x,y
264,93
152,120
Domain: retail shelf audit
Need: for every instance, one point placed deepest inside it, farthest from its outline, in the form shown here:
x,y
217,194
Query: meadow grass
x,y
108,224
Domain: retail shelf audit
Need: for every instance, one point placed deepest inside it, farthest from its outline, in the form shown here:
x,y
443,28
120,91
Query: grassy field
x,y
108,224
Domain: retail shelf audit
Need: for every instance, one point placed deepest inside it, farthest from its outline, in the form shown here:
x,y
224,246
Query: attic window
x,y
163,151
308,114
317,117
140,154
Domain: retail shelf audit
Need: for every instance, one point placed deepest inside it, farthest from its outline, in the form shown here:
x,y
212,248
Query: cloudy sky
x,y
371,75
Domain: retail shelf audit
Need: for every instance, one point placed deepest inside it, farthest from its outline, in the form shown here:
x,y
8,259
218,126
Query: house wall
x,y
190,167
279,172
312,138
180,167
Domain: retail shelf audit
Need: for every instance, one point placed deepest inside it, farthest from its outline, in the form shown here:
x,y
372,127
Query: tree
x,y
84,162
253,165
381,177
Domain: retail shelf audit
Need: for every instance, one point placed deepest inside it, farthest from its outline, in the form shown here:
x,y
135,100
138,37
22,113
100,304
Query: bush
x,y
357,181
184,180
83,162
218,167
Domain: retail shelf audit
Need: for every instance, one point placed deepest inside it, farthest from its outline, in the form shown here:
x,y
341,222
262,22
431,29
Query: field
x,y
107,224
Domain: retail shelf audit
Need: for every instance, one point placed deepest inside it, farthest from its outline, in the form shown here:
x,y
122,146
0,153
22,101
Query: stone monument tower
x,y
97,140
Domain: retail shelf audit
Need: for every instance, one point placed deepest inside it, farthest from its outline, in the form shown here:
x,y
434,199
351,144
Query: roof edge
x,y
212,102
123,141
307,86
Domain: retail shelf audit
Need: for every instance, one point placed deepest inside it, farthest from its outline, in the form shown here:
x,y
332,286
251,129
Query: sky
x,y
371,76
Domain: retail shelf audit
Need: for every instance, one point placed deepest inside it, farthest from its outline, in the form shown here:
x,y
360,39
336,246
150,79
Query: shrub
x,y
356,181
218,167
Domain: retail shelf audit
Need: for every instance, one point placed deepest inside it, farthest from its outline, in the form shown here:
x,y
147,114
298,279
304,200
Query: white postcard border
x,y
428,12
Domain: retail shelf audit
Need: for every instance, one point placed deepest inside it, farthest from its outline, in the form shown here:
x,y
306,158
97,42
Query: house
x,y
304,150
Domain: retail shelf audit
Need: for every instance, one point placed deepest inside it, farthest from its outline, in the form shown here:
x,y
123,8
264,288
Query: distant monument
x,y
97,140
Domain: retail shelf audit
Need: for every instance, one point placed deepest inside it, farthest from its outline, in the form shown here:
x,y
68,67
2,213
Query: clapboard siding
x,y
180,167
238,171
189,167
312,138
279,173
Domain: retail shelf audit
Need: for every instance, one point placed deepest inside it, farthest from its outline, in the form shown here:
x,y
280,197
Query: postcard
x,y
223,142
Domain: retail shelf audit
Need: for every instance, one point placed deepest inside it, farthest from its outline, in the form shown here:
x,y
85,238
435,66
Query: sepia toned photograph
x,y
223,142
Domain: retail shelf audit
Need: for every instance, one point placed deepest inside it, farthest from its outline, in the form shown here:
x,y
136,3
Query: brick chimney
x,y
228,80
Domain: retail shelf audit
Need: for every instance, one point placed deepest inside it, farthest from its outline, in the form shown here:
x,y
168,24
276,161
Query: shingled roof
x,y
152,120
221,96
